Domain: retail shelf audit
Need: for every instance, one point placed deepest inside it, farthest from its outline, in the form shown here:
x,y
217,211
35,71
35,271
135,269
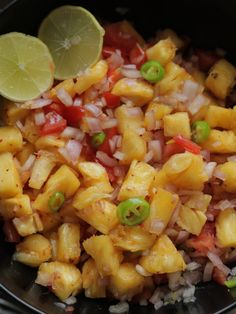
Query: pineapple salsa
x,y
117,160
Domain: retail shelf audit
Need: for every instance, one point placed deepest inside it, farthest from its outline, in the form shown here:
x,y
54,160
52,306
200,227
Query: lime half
x,y
74,38
26,67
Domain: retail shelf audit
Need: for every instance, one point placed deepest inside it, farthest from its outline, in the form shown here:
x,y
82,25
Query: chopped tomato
x,y
73,114
114,76
187,144
54,124
117,37
205,241
138,56
171,149
108,51
56,107
105,147
206,59
11,234
218,276
112,100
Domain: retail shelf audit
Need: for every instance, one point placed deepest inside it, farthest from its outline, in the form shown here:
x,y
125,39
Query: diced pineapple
x,y
186,171
137,181
41,170
27,225
132,239
68,243
68,213
33,250
163,257
63,180
23,155
67,85
31,130
177,124
226,228
128,121
10,184
191,220
161,209
86,197
95,174
228,170
49,141
138,91
199,202
50,221
91,76
17,206
101,214
133,147
12,112
221,78
219,117
160,181
159,111
93,284
169,33
126,283
63,279
10,139
106,256
221,142
163,51
173,79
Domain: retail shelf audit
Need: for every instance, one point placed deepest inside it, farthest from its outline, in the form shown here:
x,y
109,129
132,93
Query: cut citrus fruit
x,y
74,38
26,67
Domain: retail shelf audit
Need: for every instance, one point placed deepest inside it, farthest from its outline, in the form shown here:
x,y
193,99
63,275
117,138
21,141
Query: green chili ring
x,y
56,200
200,131
152,71
98,139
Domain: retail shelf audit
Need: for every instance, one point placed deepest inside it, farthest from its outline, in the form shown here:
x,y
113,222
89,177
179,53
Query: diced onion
x,y
74,133
109,123
197,104
71,300
64,97
39,118
190,89
105,159
219,175
36,103
134,111
96,111
232,158
132,73
207,273
209,168
155,147
118,155
142,271
217,262
93,124
122,307
150,120
73,148
156,226
29,163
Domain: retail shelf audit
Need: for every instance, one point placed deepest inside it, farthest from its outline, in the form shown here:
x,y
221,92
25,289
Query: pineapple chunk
x,y
28,225
10,139
163,51
138,91
23,155
127,121
169,33
163,257
191,220
221,142
173,79
31,130
101,215
158,110
177,124
50,221
40,172
93,284
63,279
12,112
91,76
17,206
199,202
86,197
33,250
137,181
132,239
63,180
133,147
161,209
228,169
226,228
219,117
186,171
221,78
160,181
68,243
106,256
67,85
126,283
10,184
95,174
49,141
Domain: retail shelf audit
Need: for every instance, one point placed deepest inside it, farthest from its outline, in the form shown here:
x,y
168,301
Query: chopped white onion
x,y
190,89
155,147
71,300
36,103
64,97
110,113
28,163
209,168
232,158
143,272
20,125
156,226
39,118
148,157
131,73
78,102
206,155
182,236
115,60
105,159
93,124
219,175
74,133
96,111
197,104
217,262
134,111
73,148
109,123
224,204
122,307
140,131
119,171
207,273
119,155
193,266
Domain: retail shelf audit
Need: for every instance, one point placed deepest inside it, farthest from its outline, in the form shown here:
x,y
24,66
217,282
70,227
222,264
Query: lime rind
x,y
74,38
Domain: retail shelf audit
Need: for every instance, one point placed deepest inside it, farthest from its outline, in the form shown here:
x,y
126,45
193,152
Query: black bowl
x,y
210,24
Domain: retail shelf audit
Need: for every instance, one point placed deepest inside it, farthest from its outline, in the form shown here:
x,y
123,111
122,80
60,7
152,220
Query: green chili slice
x,y
231,283
200,131
56,200
152,71
133,211
98,139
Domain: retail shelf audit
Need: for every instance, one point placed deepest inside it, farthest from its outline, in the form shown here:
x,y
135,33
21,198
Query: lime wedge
x,y
26,67
74,38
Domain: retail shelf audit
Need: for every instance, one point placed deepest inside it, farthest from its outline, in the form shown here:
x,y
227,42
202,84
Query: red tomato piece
x,y
171,149
11,234
56,107
105,147
107,51
73,114
112,100
187,144
218,276
54,124
137,56
205,241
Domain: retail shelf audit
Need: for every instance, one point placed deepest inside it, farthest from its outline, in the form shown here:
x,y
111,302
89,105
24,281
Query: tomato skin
x,y
172,149
205,241
137,56
105,147
112,100
54,124
218,276
73,114
187,144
